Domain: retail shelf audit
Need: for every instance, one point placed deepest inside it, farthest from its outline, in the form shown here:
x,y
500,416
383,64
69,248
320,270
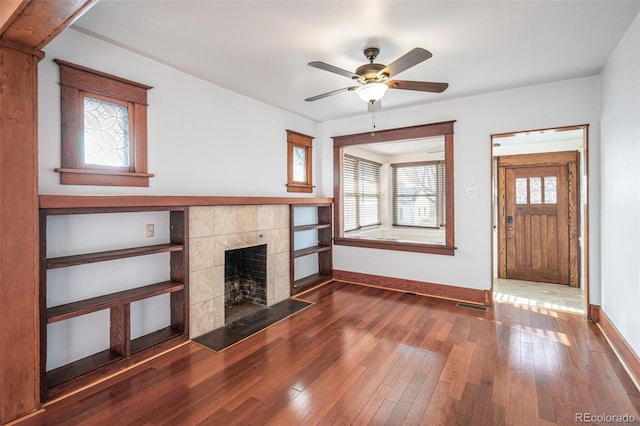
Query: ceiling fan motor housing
x,y
369,72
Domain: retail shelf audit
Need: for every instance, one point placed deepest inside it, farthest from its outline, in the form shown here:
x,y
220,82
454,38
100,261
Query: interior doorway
x,y
540,222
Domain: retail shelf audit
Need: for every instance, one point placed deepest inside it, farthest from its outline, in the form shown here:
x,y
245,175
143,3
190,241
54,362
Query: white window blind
x,y
361,193
419,194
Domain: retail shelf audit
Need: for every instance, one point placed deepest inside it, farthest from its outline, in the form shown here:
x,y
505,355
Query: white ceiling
x,y
260,49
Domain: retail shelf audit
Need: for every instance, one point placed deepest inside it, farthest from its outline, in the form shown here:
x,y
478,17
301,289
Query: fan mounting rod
x,y
370,71
371,53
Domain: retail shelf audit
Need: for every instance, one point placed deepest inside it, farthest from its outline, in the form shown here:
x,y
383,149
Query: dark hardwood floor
x,y
363,355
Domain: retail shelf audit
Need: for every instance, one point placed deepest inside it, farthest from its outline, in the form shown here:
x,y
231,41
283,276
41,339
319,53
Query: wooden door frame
x,y
583,255
564,158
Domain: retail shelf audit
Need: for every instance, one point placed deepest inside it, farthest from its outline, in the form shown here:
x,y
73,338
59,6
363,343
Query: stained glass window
x,y
299,164
550,190
535,190
106,133
521,191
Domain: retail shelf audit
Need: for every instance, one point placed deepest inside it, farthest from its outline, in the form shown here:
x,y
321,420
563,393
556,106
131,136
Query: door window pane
x,y
521,191
535,190
550,190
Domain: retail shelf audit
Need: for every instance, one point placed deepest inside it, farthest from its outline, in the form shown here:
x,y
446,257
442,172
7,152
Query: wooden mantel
x,y
85,201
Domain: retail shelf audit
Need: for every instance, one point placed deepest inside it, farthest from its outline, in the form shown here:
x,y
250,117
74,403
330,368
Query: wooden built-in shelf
x,y
324,247
123,351
312,280
310,250
153,338
82,259
85,370
87,306
82,367
311,227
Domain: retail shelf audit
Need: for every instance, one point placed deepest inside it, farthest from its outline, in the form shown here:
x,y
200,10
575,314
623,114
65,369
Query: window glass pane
x,y
550,190
361,187
535,190
521,191
299,164
106,133
369,208
419,195
350,212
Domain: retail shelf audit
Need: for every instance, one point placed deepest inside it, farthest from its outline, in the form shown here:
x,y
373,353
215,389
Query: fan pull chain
x,y
373,118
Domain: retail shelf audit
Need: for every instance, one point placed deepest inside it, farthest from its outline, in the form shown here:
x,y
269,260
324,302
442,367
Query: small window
x,y
104,128
299,162
106,133
361,193
419,195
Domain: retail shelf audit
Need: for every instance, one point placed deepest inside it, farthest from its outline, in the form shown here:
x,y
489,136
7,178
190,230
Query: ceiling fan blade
x,y
406,61
421,86
333,92
331,68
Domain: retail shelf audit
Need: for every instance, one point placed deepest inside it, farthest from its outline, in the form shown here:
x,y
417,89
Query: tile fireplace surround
x,y
215,229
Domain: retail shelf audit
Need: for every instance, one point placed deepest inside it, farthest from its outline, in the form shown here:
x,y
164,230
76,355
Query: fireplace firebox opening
x,y
245,278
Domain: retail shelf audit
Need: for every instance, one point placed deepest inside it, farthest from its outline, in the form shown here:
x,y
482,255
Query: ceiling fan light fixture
x,y
372,91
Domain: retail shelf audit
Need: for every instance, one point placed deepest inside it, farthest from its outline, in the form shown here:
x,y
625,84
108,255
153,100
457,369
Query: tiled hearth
x,y
214,230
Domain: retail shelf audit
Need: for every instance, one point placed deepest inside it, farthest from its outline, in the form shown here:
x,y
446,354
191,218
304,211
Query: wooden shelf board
x,y
310,250
309,227
94,304
81,259
87,371
152,339
81,367
312,280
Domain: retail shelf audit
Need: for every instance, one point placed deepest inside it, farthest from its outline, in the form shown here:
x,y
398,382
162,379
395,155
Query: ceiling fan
x,y
373,79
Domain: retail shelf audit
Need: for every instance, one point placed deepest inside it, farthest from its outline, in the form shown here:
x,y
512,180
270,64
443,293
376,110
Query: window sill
x,y
396,245
299,187
102,177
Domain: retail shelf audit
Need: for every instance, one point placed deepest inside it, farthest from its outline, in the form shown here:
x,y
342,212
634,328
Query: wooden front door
x,y
538,218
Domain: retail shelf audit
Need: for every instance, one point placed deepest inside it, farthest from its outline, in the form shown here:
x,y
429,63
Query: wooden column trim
x,y
19,362
39,22
9,11
22,48
25,28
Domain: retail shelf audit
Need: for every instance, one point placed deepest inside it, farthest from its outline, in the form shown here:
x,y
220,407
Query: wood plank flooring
x,y
364,355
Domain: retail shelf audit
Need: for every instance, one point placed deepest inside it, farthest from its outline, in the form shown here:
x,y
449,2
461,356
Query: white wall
x,y
559,104
202,139
621,187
